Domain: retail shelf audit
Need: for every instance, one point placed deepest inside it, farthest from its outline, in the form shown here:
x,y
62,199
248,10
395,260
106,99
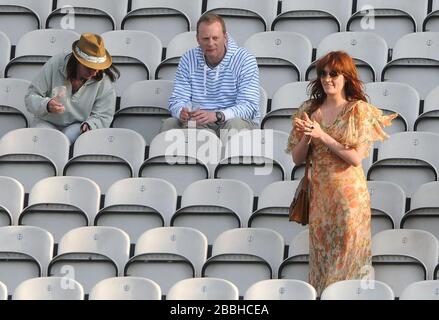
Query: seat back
x,y
406,158
25,253
315,19
49,288
395,97
11,200
369,63
424,210
126,288
415,62
281,289
387,201
422,290
21,16
203,289
138,204
273,204
427,121
128,48
204,206
244,17
281,55
143,112
358,290
5,49
13,112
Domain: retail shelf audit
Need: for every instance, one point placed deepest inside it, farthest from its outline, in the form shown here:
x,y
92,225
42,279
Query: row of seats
x,y
282,56
137,288
316,18
182,156
212,206
144,104
167,255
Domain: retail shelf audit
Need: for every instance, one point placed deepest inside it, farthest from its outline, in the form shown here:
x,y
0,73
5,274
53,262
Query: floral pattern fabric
x,y
340,215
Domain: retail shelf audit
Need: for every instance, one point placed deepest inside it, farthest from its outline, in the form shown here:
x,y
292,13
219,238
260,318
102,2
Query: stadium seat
x,y
5,51
126,288
143,107
296,265
25,252
421,290
177,46
11,201
138,204
151,15
13,112
182,156
397,259
168,255
282,57
18,17
245,256
35,48
135,53
31,154
3,291
272,213
370,63
203,289
431,21
427,121
244,17
424,210
49,288
281,289
391,19
256,157
214,206
393,97
91,254
313,18
358,290
387,201
106,155
407,159
95,16
60,204
284,103
415,61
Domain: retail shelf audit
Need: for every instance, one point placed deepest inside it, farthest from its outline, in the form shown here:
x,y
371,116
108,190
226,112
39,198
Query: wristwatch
x,y
219,117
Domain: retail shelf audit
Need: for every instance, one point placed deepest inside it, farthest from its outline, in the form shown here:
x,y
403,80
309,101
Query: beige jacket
x,y
93,103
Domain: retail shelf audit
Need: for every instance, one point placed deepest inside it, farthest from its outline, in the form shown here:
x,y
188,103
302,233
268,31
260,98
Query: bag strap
x,y
305,180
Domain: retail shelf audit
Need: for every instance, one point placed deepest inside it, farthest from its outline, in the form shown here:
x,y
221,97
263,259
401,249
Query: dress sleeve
x,y
295,136
365,125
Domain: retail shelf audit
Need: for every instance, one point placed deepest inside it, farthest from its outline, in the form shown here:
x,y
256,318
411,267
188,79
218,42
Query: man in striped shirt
x,y
216,84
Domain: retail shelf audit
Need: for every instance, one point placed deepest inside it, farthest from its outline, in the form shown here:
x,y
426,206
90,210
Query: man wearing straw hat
x,y
75,92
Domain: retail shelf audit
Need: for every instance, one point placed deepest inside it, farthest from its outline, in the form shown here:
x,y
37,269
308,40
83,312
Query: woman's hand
x,y
308,127
312,128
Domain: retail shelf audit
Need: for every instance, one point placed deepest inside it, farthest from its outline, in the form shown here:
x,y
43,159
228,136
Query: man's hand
x,y
203,117
184,115
54,106
85,127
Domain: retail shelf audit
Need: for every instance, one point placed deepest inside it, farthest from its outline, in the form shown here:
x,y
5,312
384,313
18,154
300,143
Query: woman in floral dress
x,y
340,126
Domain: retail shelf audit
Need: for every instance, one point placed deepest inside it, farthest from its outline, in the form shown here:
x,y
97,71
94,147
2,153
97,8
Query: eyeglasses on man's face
x,y
331,74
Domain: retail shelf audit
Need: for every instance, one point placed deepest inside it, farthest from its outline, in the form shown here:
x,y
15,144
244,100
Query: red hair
x,y
342,63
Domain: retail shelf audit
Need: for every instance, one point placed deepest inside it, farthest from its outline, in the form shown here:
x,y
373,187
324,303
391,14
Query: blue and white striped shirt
x,y
231,87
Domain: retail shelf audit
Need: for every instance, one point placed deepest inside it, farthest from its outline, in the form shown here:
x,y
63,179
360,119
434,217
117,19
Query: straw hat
x,y
90,51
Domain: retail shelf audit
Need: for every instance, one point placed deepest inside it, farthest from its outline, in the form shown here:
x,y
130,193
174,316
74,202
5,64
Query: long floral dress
x,y
340,215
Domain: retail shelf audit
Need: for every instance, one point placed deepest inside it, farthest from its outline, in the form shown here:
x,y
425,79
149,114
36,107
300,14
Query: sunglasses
x,y
331,74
